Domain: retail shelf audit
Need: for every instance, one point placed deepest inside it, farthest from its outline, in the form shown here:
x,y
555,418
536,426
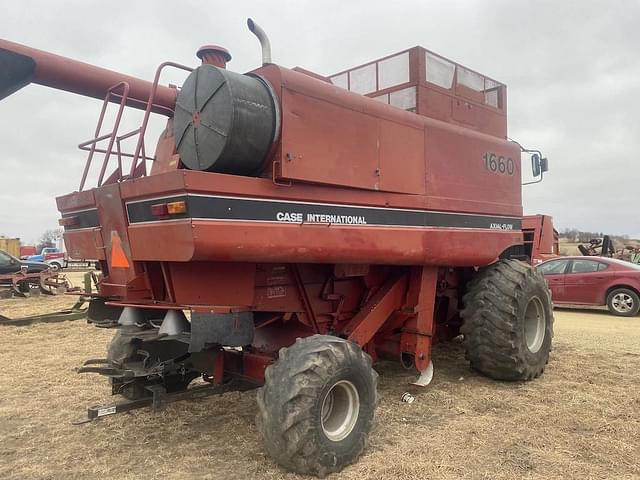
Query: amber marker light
x,y
176,208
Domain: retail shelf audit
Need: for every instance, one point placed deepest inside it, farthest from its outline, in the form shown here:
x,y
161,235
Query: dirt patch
x,y
579,420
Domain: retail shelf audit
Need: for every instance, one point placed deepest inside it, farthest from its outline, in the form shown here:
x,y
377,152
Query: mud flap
x,y
227,329
101,314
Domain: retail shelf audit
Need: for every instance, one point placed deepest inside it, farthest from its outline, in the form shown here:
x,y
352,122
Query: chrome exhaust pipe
x,y
264,40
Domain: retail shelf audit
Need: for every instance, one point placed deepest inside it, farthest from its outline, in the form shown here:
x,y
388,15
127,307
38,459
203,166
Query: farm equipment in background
x,y
631,254
51,283
605,247
600,247
21,277
309,225
77,312
22,283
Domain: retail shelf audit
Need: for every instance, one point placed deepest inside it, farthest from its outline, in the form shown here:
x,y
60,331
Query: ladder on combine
x,y
120,91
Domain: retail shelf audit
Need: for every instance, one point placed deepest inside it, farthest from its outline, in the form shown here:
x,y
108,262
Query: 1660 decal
x,y
498,164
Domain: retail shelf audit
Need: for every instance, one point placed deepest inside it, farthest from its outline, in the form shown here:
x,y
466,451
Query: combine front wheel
x,y
317,404
508,321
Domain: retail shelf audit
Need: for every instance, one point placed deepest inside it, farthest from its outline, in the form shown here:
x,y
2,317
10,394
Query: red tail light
x,y
171,208
159,210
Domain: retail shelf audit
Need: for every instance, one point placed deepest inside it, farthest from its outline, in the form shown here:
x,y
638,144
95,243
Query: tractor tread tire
x,y
290,402
493,315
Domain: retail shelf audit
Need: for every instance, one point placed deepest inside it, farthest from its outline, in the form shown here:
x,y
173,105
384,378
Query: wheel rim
x,y
535,323
622,302
340,409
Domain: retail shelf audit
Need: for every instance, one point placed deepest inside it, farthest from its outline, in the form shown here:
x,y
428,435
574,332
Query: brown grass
x,y
39,304
580,420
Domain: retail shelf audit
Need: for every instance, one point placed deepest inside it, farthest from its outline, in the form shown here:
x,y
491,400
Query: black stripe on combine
x,y
86,219
251,209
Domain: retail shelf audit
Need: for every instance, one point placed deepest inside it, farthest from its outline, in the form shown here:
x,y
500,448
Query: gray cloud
x,y
571,67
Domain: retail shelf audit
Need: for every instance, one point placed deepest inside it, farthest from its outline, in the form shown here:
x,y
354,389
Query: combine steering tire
x,y
508,321
317,405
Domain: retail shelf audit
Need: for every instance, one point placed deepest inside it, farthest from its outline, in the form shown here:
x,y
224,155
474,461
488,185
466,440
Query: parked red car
x,y
594,281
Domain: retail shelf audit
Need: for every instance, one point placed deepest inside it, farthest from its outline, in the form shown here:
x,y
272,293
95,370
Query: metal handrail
x,y
139,155
147,113
97,137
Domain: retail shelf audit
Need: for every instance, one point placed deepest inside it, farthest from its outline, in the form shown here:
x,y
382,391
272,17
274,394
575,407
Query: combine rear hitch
x,y
158,398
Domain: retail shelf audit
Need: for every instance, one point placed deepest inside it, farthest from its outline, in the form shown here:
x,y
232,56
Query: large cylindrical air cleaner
x,y
225,122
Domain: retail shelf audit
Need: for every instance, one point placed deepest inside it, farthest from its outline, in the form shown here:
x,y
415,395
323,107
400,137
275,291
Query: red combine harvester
x,y
307,226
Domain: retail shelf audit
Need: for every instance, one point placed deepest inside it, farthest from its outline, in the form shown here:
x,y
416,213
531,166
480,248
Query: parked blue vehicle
x,y
51,256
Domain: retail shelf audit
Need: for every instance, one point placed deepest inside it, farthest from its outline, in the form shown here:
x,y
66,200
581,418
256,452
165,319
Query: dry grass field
x,y
580,420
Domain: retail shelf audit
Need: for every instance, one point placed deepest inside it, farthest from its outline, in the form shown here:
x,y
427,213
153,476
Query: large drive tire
x,y
317,405
508,321
623,302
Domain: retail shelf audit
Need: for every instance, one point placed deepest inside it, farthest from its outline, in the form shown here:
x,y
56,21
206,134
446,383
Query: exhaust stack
x,y
264,40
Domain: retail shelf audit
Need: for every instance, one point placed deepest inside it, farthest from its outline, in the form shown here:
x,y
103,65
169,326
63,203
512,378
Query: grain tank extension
x,y
292,228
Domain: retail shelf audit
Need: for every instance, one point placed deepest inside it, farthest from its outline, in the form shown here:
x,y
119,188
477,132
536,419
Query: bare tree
x,y
49,238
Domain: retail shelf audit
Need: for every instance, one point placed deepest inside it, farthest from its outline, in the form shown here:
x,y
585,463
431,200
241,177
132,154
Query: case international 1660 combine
x,y
293,228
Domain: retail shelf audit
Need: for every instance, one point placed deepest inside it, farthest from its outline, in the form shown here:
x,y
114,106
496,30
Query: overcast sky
x,y
572,69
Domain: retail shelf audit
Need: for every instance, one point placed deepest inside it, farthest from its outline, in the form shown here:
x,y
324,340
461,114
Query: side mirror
x,y
539,165
13,262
